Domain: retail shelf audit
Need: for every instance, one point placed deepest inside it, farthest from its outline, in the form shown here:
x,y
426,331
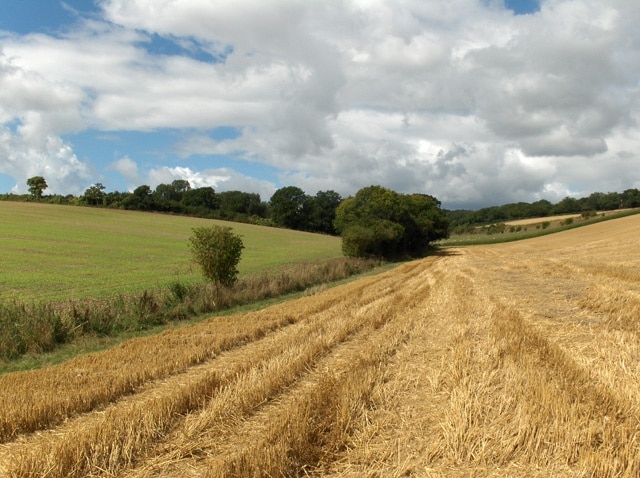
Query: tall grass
x,y
41,327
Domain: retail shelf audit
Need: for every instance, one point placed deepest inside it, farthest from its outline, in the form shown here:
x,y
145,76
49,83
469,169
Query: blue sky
x,y
477,102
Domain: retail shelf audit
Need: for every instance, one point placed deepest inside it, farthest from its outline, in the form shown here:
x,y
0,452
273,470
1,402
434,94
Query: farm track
x,y
519,359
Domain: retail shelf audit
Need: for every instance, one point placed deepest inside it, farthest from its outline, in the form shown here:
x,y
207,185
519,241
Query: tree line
x,y
376,222
597,201
289,207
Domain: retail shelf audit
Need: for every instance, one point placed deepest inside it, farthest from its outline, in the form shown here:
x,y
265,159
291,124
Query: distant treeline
x,y
289,207
292,208
543,208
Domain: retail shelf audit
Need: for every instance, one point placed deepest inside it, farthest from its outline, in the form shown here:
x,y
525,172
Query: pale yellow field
x,y
519,359
538,220
557,219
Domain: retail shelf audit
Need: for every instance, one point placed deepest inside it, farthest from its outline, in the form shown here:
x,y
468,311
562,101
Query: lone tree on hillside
x,y
380,222
217,250
37,184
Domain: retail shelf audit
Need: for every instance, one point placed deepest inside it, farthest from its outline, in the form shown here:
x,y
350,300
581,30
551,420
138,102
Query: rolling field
x,y
518,360
51,252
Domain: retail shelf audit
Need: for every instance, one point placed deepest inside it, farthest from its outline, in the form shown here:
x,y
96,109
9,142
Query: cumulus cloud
x,y
127,168
53,159
461,99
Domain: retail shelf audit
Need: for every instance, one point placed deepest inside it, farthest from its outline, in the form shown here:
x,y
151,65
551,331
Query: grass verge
x,y
45,333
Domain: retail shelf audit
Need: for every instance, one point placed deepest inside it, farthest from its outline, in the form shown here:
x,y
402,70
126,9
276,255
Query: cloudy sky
x,y
477,102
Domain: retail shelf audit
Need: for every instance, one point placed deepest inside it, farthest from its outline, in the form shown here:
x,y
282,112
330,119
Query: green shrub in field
x,y
217,251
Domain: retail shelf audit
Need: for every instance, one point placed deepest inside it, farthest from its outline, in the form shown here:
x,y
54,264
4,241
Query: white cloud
x,y
127,168
459,99
53,159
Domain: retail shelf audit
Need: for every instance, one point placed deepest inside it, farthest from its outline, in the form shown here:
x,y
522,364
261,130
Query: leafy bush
x,y
217,250
382,223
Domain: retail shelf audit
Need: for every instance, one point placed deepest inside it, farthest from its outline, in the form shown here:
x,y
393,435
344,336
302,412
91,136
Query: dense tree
x,y
94,194
290,207
567,206
180,186
597,201
424,222
234,203
173,191
630,198
37,184
322,211
140,199
541,208
380,222
217,251
204,197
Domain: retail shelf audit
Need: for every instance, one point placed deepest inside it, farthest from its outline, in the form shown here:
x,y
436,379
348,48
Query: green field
x,y
51,252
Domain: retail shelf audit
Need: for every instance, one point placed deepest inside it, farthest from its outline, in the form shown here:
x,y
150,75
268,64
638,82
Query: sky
x,y
476,102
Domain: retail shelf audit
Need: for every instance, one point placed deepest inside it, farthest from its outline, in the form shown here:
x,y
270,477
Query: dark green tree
x,y
290,208
217,250
322,211
423,221
37,185
235,203
567,206
94,194
180,186
204,197
141,199
380,222
630,198
173,191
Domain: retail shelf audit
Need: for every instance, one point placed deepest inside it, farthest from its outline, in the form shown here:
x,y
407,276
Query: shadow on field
x,y
443,253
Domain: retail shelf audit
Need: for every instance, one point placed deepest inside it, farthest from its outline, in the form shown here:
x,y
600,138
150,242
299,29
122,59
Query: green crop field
x,y
50,252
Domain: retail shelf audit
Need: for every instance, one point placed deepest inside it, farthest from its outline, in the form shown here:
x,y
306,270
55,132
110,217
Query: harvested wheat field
x,y
519,359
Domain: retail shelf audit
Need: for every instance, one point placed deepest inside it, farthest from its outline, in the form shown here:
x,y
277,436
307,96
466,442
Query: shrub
x,y
217,250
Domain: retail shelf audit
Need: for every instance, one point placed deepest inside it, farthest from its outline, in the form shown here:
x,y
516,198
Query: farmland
x,y
52,252
516,230
518,359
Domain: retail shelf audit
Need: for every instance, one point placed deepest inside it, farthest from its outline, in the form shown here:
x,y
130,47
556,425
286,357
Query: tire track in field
x,y
503,389
399,437
38,399
569,413
311,420
113,439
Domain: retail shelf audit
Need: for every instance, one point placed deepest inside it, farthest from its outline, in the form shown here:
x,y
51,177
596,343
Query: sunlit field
x,y
518,360
520,229
52,252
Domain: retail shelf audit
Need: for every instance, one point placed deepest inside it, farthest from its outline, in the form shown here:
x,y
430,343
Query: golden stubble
x,y
519,360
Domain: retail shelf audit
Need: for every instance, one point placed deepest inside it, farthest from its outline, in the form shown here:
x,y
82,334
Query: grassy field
x,y
52,252
518,360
